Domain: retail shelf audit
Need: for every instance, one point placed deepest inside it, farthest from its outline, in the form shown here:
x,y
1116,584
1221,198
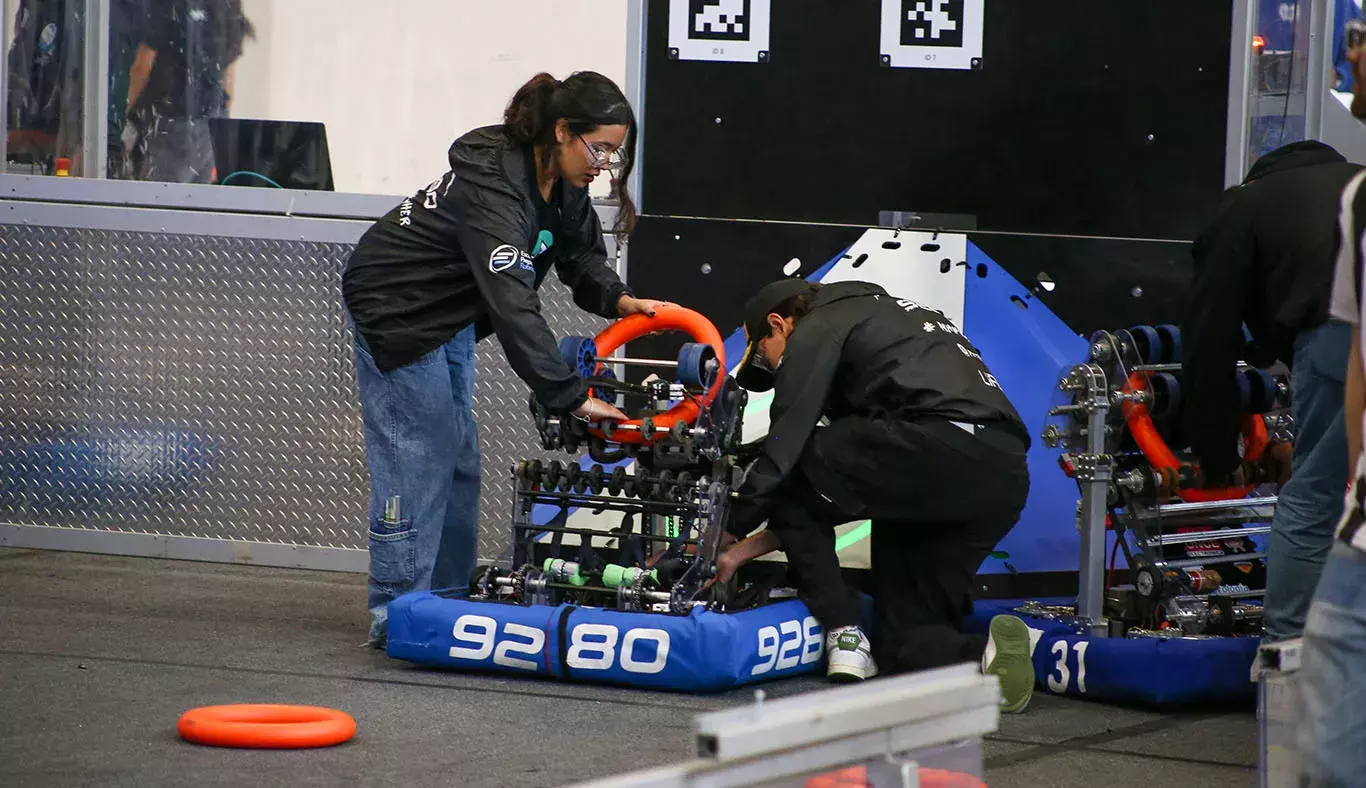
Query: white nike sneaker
x,y
849,655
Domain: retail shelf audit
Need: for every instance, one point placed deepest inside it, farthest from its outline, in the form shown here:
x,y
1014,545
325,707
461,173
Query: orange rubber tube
x,y
857,777
666,318
1161,457
266,726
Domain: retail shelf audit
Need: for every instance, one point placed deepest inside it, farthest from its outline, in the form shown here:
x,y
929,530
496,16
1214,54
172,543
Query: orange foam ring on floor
x,y
266,726
857,777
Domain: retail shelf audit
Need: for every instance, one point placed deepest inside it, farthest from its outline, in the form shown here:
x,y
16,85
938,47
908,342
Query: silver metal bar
x,y
184,548
1320,61
1207,536
4,88
1091,577
638,362
1066,409
95,91
1281,656
637,16
1216,518
200,197
1170,367
231,225
828,729
1172,509
1156,368
1229,594
1217,559
1149,518
1240,613
1241,30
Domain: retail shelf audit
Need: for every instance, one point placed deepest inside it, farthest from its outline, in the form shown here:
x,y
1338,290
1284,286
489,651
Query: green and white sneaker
x,y
849,655
1009,658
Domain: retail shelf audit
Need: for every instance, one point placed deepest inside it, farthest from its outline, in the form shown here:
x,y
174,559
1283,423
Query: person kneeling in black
x,y
920,439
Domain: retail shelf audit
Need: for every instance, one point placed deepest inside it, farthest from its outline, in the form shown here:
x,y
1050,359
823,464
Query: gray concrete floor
x,y
100,655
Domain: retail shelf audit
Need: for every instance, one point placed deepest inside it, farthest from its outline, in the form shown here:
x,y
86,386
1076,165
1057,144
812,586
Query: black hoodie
x,y
474,246
1266,259
863,352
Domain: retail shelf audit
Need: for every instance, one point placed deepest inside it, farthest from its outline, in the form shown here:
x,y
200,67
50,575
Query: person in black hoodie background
x,y
459,260
1265,260
921,439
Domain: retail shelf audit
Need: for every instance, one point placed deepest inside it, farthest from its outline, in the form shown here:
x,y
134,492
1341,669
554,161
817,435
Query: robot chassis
x,y
1195,573
682,439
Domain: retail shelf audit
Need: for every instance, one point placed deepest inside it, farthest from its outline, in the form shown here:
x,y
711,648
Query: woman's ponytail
x,y
530,116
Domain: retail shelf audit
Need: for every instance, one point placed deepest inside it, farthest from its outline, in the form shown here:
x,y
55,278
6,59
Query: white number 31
x,y
1061,677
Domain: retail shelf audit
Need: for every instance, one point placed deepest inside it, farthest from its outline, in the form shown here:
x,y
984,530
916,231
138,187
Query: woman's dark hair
x,y
586,100
795,307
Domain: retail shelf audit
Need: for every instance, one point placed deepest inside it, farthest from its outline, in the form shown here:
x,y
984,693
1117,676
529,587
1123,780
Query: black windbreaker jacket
x,y
1266,259
863,352
461,251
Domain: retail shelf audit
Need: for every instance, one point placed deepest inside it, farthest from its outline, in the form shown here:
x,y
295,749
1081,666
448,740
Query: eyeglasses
x,y
603,158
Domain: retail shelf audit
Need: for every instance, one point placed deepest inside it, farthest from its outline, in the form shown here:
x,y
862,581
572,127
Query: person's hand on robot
x,y
1276,462
742,552
1274,467
630,305
594,410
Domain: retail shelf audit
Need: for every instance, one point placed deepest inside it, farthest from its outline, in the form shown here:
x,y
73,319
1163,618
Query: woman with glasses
x,y
459,260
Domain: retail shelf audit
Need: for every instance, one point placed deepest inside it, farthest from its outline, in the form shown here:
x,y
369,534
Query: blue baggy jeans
x,y
1310,503
422,449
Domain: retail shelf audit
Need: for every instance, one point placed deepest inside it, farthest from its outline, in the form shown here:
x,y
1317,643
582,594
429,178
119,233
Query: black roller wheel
x,y
618,479
664,486
1148,583
536,473
595,479
683,487
477,577
577,479
554,472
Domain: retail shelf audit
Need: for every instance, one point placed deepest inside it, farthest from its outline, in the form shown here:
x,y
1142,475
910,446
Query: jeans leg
x,y
1332,738
410,439
460,533
1311,502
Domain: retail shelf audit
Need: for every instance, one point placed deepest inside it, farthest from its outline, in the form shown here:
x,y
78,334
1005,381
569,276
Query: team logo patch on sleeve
x,y
506,256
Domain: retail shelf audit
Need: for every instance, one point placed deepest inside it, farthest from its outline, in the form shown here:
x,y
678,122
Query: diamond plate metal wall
x,y
203,386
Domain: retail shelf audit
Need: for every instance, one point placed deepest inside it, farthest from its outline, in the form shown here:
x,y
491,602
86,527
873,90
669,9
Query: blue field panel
x,y
1155,671
700,652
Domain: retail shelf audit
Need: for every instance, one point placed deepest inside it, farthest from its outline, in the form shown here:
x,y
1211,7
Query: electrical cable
x,y
224,181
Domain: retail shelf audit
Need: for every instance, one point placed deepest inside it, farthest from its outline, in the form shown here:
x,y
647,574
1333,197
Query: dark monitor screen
x,y
270,153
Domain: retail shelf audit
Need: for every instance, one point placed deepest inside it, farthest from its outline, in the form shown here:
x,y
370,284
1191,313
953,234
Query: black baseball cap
x,y
751,373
